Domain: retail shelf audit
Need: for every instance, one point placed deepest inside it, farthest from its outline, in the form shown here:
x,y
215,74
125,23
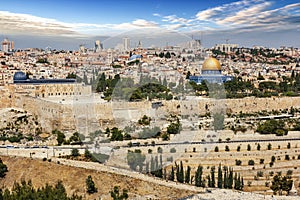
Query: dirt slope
x,y
41,172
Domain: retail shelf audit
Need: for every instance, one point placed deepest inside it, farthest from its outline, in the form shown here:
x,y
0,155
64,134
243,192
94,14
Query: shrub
x,y
287,157
238,162
251,162
227,148
3,169
217,149
173,150
159,150
75,153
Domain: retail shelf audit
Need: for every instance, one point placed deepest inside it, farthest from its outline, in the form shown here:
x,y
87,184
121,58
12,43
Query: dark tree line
x,y
225,178
239,88
281,184
25,190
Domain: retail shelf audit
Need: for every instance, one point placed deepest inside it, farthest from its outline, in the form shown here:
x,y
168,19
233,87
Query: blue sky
x,y
215,19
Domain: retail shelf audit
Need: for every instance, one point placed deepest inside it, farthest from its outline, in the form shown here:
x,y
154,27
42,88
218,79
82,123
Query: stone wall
x,y
86,116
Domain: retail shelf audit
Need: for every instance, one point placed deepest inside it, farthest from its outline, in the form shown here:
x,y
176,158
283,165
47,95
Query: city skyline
x,y
59,24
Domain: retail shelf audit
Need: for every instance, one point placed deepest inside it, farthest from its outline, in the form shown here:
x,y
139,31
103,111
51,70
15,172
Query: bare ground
x,y
42,172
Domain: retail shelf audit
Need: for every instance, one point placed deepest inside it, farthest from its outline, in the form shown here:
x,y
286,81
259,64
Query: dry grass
x,y
42,172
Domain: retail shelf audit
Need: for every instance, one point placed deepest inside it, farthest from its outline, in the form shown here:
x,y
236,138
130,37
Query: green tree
x,y
60,137
180,173
269,146
174,128
3,169
227,148
216,149
188,174
136,159
75,152
238,162
248,147
188,75
116,134
225,180
281,183
212,173
101,86
230,178
26,191
172,174
115,194
258,147
272,127
75,138
168,55
88,155
199,182
251,162
90,185
220,177
273,159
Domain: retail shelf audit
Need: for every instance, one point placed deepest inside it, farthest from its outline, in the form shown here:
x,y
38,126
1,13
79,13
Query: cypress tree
x,y
177,172
236,182
159,168
156,164
239,185
213,180
90,185
242,186
152,166
198,177
230,178
171,177
225,178
220,177
209,181
188,174
180,177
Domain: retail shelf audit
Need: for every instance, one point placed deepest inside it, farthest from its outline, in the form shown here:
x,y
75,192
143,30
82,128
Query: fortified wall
x,y
90,113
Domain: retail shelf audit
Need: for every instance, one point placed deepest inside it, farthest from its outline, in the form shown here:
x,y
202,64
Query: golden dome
x,y
211,64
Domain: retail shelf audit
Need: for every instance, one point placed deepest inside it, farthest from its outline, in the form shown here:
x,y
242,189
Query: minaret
x,y
139,45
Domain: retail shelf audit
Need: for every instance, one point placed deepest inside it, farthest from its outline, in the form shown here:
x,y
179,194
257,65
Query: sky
x,y
65,24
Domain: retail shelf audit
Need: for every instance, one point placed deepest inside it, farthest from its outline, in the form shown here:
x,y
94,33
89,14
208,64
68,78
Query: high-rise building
x,y
98,46
12,45
139,45
7,45
226,47
126,43
82,49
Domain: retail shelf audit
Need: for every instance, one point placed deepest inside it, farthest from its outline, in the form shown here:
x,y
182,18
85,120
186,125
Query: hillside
x,y
42,172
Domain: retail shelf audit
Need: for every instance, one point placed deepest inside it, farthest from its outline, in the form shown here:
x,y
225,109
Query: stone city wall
x,y
87,117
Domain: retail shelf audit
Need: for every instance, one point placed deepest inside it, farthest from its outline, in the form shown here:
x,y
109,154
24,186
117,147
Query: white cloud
x,y
156,15
245,15
15,23
24,23
175,19
219,11
252,14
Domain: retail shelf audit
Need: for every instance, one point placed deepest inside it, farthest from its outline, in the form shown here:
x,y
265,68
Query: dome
x,y
211,64
20,76
133,57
